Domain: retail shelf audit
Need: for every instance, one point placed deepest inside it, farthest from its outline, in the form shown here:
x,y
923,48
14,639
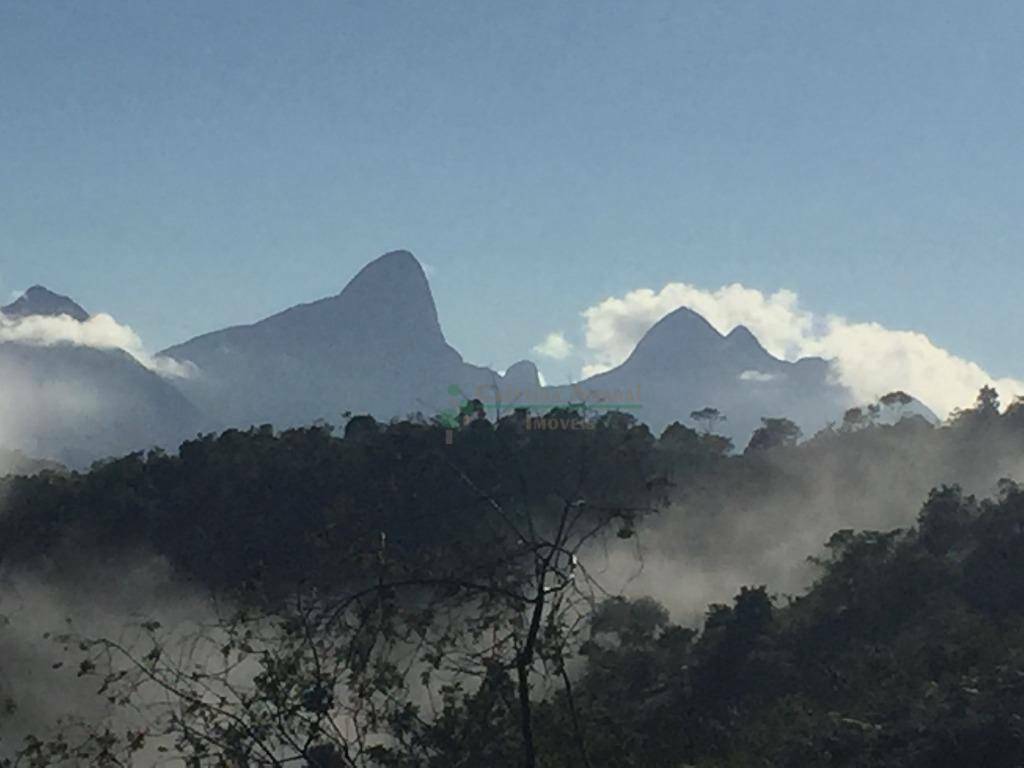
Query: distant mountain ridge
x,y
377,347
682,364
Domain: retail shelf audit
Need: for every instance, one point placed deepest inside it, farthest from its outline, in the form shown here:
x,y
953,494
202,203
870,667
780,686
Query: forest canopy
x,y
387,596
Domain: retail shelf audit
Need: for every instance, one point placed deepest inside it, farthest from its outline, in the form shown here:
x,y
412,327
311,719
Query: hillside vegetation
x,y
407,595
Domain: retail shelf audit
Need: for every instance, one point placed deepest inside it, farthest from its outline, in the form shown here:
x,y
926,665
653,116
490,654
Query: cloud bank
x,y
100,331
869,358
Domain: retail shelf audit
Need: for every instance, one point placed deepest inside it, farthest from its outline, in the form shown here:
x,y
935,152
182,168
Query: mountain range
x,y
377,347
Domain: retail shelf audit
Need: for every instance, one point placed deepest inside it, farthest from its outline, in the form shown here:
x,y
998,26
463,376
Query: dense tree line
x,y
908,650
287,507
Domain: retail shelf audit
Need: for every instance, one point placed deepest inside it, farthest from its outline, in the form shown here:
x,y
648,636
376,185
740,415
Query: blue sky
x,y
190,165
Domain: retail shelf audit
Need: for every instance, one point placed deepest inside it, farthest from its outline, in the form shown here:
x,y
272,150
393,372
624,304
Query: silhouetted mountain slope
x,y
377,347
683,364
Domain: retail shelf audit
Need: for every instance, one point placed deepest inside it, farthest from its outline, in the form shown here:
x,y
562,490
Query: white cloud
x,y
555,345
757,376
873,360
868,358
100,331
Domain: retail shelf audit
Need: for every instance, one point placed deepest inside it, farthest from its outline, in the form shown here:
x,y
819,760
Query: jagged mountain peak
x,y
741,333
377,347
686,337
396,281
388,301
389,298
397,259
395,268
39,300
687,321
741,337
682,330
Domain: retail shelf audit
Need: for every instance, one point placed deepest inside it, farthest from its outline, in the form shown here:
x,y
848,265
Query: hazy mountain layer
x,y
682,364
377,347
77,404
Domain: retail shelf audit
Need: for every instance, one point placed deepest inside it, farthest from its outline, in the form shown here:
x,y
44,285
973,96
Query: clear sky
x,y
189,165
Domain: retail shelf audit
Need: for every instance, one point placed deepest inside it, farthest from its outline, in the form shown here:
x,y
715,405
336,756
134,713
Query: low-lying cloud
x,y
77,595
555,346
100,331
869,358
757,376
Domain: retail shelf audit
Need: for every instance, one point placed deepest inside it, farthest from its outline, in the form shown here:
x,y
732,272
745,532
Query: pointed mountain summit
x,y
685,335
38,300
682,364
388,301
399,277
682,330
377,347
741,337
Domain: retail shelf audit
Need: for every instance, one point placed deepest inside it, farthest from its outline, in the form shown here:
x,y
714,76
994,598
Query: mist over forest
x,y
494,592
